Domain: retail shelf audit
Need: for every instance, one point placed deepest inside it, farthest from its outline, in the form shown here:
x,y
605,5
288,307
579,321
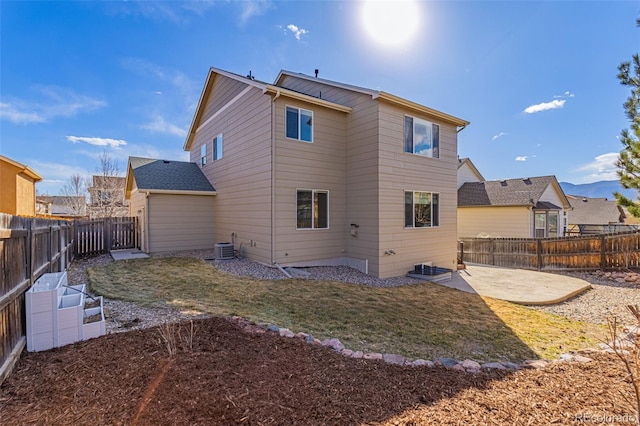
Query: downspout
x,y
461,128
273,178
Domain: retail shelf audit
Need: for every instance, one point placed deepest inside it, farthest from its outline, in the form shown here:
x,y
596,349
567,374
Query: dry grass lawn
x,y
418,321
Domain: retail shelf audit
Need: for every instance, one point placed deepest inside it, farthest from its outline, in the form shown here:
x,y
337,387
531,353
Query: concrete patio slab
x,y
517,285
127,254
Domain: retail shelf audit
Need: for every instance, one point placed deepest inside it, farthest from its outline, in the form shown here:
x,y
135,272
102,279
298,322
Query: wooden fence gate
x,y
96,236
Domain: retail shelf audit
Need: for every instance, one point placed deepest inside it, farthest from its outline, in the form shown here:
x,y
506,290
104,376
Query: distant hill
x,y
600,189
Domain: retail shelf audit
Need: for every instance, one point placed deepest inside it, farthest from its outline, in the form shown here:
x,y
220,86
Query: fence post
x,y
50,248
108,231
603,252
539,253
30,248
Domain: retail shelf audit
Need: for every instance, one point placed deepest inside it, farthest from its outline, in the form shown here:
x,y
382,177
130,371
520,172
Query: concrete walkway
x,y
127,254
517,285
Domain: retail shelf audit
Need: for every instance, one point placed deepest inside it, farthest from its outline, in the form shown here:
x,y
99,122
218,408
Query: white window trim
x,y
203,155
414,142
299,130
413,205
214,150
313,191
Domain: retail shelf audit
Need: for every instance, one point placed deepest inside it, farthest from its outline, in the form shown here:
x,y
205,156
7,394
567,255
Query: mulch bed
x,y
230,376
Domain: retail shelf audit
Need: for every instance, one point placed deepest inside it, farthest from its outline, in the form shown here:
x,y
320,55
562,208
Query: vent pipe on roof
x,y
316,71
250,76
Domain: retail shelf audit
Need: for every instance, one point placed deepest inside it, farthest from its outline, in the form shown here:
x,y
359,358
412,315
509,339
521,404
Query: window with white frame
x,y
203,155
299,124
545,224
421,137
217,147
421,209
312,206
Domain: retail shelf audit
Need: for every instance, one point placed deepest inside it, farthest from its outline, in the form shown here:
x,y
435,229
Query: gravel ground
x,y
606,299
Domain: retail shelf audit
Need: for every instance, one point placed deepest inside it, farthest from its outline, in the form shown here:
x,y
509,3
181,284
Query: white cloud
x,y
521,158
53,102
499,135
251,8
603,167
566,94
297,32
108,142
13,113
545,106
160,125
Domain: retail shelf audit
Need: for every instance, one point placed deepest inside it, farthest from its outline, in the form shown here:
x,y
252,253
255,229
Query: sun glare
x,y
390,23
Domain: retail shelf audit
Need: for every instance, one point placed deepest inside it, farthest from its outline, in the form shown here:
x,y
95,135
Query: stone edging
x,y
468,365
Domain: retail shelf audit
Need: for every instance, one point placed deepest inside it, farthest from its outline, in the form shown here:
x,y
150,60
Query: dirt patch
x,y
235,377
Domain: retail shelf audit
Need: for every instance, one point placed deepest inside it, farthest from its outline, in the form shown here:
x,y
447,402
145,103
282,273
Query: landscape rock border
x,y
467,365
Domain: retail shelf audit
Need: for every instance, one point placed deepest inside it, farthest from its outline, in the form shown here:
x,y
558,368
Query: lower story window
x,y
312,209
545,224
421,209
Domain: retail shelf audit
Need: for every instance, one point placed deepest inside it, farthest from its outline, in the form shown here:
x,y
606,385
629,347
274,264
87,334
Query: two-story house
x,y
309,171
106,197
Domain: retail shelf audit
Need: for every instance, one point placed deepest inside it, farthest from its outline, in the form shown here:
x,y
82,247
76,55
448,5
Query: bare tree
x,y
74,194
107,189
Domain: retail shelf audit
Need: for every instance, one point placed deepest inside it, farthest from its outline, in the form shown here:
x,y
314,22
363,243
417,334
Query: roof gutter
x,y
175,192
388,97
278,91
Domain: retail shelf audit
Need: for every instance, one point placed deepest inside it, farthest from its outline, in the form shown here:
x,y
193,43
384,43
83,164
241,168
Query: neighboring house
x,y
309,171
62,205
106,197
533,207
467,172
17,188
174,203
596,216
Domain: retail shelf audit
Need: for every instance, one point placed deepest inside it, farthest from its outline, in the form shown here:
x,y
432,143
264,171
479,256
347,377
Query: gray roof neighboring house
x,y
594,211
168,176
508,192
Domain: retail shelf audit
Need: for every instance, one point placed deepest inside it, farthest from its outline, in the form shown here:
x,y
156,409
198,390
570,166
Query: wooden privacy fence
x,y
28,248
605,251
95,236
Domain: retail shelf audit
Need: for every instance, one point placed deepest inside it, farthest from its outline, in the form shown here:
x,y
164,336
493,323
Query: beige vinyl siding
x,y
466,174
551,195
225,89
138,208
513,222
179,222
242,177
362,180
301,165
400,172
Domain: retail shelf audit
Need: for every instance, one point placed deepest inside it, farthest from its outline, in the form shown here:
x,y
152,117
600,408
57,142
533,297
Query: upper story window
x,y
299,124
421,209
421,137
312,209
203,155
217,147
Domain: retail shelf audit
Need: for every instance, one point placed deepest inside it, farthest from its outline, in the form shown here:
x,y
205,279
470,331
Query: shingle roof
x,y
593,211
509,192
151,174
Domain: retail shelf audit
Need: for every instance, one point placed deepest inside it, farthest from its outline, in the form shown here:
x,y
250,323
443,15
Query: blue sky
x,y
537,80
